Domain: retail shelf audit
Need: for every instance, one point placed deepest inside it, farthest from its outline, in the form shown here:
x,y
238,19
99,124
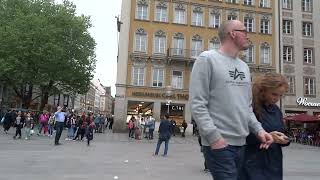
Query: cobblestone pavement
x,y
113,156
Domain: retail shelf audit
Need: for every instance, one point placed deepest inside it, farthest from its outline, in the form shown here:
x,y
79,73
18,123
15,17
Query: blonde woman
x,y
266,164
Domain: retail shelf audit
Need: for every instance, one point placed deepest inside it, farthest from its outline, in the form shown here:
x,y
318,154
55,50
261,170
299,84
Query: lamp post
x,y
169,93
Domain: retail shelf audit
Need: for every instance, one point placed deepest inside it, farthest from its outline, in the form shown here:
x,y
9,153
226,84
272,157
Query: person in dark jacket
x,y
89,132
8,119
266,164
164,135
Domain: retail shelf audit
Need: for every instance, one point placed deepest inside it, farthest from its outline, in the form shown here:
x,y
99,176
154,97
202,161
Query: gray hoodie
x,y
220,95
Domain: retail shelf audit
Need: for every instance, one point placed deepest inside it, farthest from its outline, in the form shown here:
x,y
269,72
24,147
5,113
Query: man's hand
x,y
221,143
279,137
265,138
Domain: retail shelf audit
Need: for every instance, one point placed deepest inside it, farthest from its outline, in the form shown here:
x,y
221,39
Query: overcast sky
x,y
104,31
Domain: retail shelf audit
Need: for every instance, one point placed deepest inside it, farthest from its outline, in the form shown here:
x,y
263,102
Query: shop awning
x,y
302,118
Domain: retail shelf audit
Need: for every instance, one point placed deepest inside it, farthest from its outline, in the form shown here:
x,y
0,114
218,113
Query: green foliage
x,y
46,45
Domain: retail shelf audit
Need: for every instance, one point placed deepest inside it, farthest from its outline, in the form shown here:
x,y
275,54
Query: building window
x,y
307,55
287,26
265,53
138,76
196,46
291,82
141,41
265,26
142,10
161,12
197,16
157,77
287,4
287,53
249,55
307,5
214,19
248,2
56,100
264,3
232,17
180,14
160,42
65,100
177,80
214,44
232,1
178,44
249,24
309,86
307,29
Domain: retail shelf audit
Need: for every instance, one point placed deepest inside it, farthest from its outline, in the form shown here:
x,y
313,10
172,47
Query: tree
x,y
45,45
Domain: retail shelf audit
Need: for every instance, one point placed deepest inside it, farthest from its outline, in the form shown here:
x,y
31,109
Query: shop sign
x,y
177,108
302,101
177,96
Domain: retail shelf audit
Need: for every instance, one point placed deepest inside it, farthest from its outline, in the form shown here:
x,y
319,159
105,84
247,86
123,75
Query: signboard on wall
x,y
303,101
177,96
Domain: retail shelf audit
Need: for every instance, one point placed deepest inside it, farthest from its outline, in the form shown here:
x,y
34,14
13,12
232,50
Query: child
x,y
89,132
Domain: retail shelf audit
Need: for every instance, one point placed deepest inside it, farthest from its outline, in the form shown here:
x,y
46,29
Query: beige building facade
x,y
300,44
160,40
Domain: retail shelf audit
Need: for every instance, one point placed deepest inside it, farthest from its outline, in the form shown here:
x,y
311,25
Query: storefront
x,y
142,103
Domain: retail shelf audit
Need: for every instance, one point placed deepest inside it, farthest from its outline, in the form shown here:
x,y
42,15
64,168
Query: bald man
x,y
220,95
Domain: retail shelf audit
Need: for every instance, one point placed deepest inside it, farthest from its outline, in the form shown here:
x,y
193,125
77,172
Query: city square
x,y
236,72
113,156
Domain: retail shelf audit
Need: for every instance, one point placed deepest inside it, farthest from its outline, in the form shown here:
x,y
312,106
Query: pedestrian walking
x,y
7,121
28,124
43,120
131,126
60,118
218,78
164,135
51,124
18,124
89,132
151,126
266,164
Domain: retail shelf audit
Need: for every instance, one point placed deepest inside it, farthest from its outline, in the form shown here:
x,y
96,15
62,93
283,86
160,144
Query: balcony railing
x,y
178,52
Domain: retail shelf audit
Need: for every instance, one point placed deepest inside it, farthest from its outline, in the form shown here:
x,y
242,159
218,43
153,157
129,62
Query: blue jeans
x,y
166,141
50,129
71,132
225,163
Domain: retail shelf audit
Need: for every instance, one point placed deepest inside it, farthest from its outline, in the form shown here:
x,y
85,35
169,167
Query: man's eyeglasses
x,y
241,30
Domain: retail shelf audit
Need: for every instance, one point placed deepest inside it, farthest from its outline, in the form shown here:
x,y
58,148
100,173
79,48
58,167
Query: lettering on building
x,y
302,101
178,96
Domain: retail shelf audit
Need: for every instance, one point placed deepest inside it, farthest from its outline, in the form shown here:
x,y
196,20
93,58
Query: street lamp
x,y
169,93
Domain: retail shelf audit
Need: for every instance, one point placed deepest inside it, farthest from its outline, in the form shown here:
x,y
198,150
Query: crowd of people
x,y
50,123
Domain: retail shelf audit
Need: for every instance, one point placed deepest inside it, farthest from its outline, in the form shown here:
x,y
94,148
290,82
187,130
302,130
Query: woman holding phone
x,y
266,164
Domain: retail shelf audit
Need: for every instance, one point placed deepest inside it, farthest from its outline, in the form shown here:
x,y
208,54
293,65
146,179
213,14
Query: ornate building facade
x,y
299,48
160,40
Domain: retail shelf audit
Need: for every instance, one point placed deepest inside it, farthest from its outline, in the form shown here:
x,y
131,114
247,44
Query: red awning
x,y
302,118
